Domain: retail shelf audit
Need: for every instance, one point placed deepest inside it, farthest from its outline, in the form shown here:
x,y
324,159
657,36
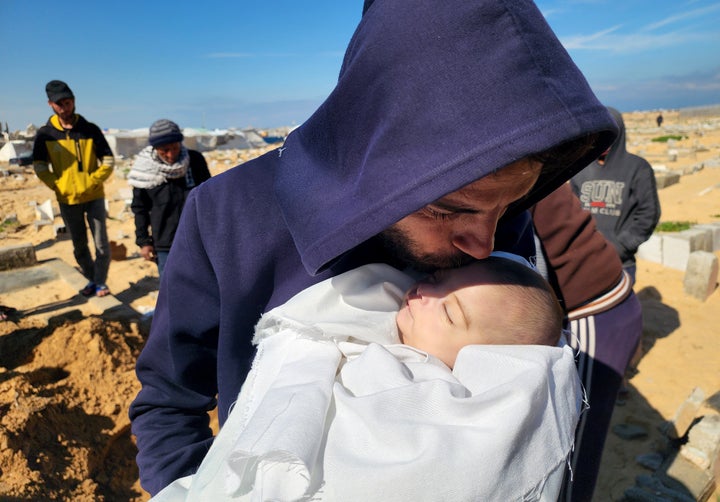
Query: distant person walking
x,y
73,158
659,120
620,191
161,176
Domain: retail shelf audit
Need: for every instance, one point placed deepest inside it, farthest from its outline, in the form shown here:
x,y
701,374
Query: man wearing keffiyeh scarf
x,y
150,170
161,176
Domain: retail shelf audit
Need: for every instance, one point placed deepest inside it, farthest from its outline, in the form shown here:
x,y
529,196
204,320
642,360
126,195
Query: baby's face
x,y
445,312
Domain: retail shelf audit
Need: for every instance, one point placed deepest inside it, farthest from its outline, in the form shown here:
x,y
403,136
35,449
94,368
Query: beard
x,y
67,116
404,249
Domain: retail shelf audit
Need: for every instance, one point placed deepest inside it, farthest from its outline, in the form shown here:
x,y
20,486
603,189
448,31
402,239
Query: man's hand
x,y
148,252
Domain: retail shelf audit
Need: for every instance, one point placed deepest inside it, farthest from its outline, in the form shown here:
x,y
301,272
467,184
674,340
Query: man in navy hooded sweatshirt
x,y
446,124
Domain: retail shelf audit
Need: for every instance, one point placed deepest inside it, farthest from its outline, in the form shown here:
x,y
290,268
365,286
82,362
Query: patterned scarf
x,y
150,171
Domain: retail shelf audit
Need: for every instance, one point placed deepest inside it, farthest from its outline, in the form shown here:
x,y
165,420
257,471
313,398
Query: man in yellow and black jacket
x,y
73,158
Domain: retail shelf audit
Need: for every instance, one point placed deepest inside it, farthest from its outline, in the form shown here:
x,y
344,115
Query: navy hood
x,y
431,96
618,151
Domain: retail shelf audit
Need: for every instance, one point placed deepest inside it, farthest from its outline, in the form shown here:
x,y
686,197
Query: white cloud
x,y
610,40
592,41
548,13
682,16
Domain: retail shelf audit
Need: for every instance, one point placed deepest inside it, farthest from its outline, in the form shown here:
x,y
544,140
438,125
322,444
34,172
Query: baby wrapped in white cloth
x,y
337,408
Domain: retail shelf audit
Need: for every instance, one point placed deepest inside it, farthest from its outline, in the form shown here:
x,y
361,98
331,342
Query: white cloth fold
x,y
335,409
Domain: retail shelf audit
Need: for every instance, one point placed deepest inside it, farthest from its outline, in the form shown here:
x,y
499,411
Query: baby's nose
x,y
424,291
413,294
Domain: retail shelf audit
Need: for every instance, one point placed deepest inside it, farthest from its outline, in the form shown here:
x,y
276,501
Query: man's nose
x,y
477,239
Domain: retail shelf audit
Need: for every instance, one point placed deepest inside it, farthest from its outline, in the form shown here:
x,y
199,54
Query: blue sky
x,y
219,64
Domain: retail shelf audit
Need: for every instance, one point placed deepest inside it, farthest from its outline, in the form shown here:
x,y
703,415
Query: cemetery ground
x,y
67,364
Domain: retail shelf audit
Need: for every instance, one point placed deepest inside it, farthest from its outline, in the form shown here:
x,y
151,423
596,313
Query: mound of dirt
x,y
66,384
64,393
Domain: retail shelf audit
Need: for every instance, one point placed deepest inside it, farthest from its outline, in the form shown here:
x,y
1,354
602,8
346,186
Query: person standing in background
x,y
161,176
620,191
604,317
73,158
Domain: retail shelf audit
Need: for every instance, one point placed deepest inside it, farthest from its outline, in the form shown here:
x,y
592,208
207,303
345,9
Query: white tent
x,y
254,139
126,144
14,149
218,139
200,139
234,141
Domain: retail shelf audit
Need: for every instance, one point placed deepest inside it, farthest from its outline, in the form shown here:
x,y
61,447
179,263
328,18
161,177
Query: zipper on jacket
x,y
78,154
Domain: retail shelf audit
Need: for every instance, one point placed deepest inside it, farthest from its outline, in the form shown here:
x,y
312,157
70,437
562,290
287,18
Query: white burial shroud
x,y
339,410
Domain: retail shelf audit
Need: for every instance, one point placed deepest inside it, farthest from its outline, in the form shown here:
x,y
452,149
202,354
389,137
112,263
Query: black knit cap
x,y
57,90
164,131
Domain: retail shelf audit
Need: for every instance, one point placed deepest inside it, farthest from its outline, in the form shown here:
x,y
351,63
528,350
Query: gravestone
x,y
17,256
701,275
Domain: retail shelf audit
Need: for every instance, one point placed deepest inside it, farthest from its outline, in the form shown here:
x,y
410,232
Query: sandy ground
x,y
67,371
